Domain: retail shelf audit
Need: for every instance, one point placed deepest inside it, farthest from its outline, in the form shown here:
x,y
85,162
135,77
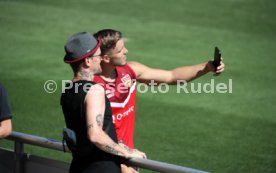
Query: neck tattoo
x,y
84,75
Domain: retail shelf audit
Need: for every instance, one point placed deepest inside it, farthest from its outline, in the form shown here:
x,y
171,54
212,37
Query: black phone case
x,y
217,57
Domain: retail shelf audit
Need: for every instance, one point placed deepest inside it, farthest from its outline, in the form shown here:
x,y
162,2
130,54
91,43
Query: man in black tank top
x,y
87,111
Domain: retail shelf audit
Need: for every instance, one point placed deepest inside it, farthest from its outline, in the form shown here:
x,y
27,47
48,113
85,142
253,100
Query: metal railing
x,y
21,138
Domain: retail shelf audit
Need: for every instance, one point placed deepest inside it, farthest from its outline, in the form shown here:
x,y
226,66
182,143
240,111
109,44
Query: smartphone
x,y
217,57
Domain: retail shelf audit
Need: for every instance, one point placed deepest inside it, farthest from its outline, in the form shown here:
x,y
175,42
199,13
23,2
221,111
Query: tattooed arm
x,y
130,150
95,106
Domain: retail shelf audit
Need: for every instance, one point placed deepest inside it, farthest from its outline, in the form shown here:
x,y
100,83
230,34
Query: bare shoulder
x,y
136,64
97,86
95,95
138,67
133,64
96,89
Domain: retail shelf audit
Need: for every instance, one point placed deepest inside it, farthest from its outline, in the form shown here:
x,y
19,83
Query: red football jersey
x,y
122,93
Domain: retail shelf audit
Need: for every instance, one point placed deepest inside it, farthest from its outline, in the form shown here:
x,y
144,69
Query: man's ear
x,y
106,58
87,62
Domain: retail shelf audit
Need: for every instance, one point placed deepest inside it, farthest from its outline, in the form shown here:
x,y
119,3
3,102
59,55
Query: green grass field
x,y
230,132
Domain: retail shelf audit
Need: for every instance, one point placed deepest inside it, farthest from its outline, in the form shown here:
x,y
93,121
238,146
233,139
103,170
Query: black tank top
x,y
72,102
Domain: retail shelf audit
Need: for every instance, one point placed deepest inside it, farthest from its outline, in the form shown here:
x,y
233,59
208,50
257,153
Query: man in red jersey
x,y
119,79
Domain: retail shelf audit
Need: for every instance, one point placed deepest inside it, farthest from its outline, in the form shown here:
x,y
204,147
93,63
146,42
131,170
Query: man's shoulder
x,y
133,63
96,91
138,67
126,69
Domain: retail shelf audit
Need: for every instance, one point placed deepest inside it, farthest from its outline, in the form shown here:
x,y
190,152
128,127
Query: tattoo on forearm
x,y
99,119
111,149
90,126
129,150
